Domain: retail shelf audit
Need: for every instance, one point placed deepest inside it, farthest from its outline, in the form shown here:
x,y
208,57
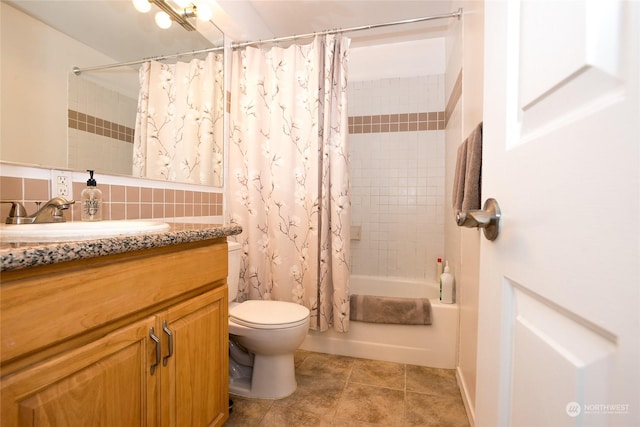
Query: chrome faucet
x,y
51,211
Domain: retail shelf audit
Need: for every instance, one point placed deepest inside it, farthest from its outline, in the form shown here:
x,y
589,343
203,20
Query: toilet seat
x,y
260,314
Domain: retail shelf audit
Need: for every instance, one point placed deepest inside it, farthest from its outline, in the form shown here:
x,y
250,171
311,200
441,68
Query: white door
x,y
559,302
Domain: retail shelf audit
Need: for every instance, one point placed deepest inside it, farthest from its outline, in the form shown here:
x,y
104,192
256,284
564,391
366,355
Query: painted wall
x,y
397,60
464,58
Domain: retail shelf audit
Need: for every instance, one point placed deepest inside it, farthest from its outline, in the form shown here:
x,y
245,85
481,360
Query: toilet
x,y
263,335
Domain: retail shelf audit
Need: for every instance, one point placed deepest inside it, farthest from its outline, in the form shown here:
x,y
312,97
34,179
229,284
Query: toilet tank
x,y
233,274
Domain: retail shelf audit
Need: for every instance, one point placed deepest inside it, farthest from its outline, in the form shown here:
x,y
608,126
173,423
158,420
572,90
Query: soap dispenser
x,y
91,200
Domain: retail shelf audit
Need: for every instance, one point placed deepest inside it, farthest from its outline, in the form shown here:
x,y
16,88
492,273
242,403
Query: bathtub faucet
x,y
51,211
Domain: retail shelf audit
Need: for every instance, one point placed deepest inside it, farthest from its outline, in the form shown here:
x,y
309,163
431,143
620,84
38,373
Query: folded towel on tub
x,y
403,311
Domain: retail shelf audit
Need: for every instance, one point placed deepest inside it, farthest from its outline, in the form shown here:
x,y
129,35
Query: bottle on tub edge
x,y
447,286
91,200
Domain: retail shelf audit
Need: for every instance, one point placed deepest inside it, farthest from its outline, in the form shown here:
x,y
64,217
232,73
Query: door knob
x,y
488,218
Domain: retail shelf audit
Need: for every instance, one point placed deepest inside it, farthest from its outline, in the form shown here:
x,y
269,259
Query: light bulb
x,y
204,11
142,5
163,20
182,3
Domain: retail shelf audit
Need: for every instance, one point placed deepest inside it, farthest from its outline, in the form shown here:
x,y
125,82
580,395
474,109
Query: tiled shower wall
x,y
397,176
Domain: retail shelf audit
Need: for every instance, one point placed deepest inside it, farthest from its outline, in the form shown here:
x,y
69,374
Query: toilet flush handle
x,y
488,218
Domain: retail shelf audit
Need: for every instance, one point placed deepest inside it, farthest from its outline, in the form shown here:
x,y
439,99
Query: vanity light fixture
x,y
181,13
142,6
163,20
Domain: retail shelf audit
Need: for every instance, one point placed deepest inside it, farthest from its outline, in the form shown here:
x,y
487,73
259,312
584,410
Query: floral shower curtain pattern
x,y
179,132
289,180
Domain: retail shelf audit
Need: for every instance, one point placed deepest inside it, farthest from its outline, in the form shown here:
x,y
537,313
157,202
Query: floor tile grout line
x,y
377,386
404,401
343,391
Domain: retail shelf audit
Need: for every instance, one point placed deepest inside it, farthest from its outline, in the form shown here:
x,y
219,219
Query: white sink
x,y
74,231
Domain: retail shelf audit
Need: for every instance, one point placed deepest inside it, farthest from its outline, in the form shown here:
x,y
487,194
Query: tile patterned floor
x,y
345,391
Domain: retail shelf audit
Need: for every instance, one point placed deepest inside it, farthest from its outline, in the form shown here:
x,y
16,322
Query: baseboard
x,y
465,398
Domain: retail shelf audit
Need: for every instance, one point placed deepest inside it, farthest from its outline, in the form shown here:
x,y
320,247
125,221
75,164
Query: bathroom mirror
x,y
54,118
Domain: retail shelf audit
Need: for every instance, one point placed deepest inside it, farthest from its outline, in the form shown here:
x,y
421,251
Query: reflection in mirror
x,y
178,134
101,127
41,43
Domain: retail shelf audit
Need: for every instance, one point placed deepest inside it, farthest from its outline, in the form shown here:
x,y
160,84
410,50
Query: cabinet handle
x,y
155,339
167,331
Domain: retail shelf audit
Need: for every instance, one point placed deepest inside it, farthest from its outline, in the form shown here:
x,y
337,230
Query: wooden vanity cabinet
x,y
161,360
192,377
105,383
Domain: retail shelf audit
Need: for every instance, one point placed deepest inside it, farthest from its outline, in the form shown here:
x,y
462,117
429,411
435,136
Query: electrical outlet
x,y
61,184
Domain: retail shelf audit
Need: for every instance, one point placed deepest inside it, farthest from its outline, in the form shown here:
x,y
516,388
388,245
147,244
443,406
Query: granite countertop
x,y
14,256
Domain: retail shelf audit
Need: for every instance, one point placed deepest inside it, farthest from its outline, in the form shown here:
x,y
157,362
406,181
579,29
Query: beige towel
x,y
473,176
468,175
376,309
459,175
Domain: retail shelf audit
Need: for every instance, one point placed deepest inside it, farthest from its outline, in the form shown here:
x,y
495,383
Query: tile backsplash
x,y
119,201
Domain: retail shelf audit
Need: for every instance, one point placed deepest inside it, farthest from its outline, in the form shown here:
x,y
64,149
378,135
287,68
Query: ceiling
x,y
264,19
115,28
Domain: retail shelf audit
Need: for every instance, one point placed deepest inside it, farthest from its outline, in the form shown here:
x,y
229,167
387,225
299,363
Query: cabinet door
x,y
195,385
105,383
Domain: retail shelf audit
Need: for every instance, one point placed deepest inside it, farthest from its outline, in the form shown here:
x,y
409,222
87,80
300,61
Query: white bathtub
x,y
432,345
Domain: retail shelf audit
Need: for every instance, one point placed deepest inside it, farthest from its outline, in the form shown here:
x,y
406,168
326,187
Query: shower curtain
x,y
178,134
289,179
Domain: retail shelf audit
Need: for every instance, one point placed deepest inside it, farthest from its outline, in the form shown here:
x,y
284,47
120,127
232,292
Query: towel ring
x,y
488,219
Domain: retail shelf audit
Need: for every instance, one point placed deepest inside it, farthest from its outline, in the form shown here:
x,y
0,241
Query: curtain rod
x,y
77,71
455,14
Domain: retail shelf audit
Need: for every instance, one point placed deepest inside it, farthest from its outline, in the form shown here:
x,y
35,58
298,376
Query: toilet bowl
x,y
263,336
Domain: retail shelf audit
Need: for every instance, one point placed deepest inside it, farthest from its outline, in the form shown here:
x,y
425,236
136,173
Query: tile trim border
x,y
96,125
401,122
